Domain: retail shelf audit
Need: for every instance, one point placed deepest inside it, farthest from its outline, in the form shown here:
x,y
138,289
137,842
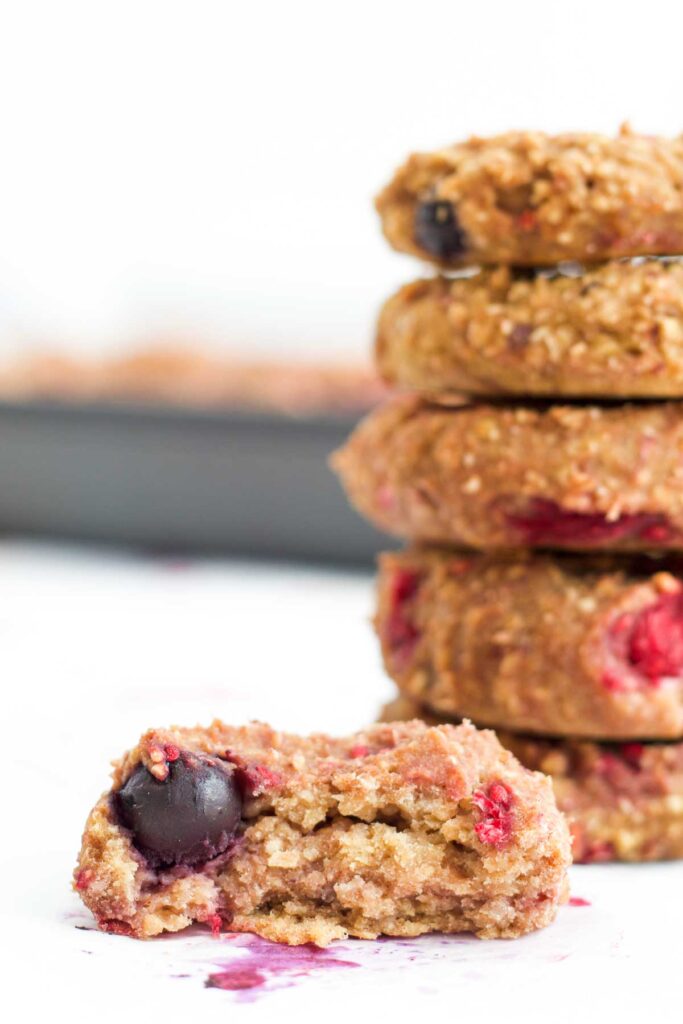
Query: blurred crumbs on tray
x,y
184,376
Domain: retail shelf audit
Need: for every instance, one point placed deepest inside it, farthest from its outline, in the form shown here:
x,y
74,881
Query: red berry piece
x,y
647,645
83,879
115,927
547,524
253,779
656,646
400,631
495,805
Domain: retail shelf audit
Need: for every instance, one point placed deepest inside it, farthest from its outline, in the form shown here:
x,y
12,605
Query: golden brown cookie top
x,y
529,198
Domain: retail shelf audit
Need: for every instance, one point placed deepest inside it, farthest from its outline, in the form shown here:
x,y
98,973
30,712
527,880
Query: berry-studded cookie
x,y
579,478
623,801
529,199
398,830
559,645
612,331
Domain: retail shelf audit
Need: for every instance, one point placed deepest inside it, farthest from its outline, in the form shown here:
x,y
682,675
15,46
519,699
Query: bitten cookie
x,y
397,830
525,198
547,644
613,331
623,801
495,477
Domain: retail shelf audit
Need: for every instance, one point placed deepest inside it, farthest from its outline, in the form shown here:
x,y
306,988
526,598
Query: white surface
x,y
95,648
207,166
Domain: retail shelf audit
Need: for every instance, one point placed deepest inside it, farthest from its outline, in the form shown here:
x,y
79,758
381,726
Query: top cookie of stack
x,y
526,200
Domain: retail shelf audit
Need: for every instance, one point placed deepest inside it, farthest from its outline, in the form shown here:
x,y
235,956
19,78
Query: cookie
x,y
486,476
623,802
529,199
548,644
615,331
397,830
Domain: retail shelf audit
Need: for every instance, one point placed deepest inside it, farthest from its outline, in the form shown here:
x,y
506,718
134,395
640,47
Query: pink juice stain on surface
x,y
578,901
261,963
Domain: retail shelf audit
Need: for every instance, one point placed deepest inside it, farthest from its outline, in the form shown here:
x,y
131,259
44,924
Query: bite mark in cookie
x,y
397,830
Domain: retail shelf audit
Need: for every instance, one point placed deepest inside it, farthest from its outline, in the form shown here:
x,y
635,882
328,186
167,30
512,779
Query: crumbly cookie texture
x,y
400,829
612,331
623,801
560,645
529,199
493,477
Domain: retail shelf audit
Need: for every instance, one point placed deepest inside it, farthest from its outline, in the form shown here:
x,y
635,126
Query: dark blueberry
x,y
437,230
189,817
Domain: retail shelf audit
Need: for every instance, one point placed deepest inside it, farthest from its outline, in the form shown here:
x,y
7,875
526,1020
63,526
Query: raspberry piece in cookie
x,y
623,801
581,478
401,632
530,199
485,628
495,826
397,830
649,640
545,524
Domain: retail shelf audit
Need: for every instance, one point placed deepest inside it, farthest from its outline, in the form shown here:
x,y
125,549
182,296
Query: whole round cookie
x,y
557,645
530,199
623,801
494,477
612,331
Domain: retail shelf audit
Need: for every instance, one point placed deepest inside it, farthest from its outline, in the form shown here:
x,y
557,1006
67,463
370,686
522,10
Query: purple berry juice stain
x,y
265,966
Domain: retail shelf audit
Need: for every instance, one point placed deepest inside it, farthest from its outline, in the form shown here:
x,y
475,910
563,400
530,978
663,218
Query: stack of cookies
x,y
543,591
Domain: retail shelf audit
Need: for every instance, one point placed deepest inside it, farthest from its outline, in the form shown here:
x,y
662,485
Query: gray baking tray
x,y
182,480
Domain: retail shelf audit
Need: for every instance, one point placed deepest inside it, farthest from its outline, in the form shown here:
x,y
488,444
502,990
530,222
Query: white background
x,y
206,168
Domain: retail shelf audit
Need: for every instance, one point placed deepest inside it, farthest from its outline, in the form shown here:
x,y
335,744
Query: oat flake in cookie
x,y
400,829
530,199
